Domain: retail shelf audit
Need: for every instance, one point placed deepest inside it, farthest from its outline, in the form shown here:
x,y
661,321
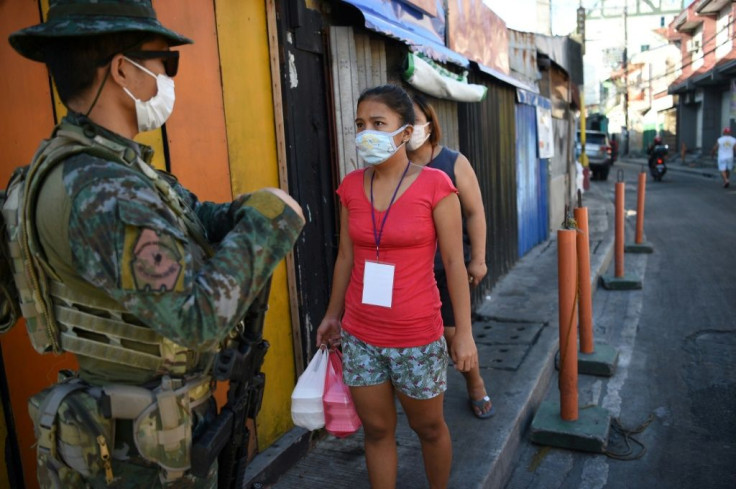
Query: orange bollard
x,y
619,238
585,306
567,290
639,239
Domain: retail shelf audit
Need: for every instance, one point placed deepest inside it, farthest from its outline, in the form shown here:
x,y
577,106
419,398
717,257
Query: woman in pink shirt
x,y
385,306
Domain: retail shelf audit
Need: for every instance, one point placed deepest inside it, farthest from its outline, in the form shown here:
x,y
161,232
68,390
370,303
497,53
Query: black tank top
x,y
445,161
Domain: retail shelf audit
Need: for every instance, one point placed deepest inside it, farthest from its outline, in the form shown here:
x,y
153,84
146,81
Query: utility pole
x,y
626,81
583,155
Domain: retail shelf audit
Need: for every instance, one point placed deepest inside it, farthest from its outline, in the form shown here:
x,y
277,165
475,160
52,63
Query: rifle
x,y
227,437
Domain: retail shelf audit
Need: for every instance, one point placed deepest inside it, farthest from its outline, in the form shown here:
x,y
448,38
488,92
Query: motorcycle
x,y
657,162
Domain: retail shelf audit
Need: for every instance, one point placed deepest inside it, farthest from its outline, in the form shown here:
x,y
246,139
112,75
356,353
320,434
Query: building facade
x,y
704,35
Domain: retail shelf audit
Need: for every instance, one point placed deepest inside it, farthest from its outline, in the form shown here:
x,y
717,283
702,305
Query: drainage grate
x,y
497,332
503,345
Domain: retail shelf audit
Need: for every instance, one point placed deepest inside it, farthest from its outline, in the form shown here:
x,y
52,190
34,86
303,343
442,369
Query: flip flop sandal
x,y
480,404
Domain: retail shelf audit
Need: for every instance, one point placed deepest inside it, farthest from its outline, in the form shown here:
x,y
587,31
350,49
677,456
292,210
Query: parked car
x,y
598,150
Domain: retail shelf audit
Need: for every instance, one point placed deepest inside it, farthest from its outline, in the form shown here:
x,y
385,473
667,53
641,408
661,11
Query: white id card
x,y
378,283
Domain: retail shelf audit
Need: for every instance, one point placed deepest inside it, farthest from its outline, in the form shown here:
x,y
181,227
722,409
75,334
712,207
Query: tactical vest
x,y
58,317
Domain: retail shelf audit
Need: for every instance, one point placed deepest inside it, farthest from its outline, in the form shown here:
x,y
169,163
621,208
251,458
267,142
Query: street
x,y
676,340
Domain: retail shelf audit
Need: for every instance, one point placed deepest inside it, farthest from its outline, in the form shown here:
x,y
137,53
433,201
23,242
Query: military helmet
x,y
81,18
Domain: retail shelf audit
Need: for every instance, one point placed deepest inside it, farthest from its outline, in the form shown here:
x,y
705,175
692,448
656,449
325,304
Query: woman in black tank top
x,y
424,149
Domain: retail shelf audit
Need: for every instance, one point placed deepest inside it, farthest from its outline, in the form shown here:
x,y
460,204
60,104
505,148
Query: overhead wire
x,y
702,57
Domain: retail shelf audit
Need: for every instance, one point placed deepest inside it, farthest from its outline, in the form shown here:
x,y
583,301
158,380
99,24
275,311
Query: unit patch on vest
x,y
151,261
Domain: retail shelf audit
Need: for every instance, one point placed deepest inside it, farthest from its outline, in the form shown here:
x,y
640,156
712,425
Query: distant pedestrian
x,y
384,306
614,147
725,147
424,149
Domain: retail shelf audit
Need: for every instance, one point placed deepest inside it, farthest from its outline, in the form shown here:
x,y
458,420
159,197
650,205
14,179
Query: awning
x,y
727,64
423,33
720,74
505,78
431,78
529,98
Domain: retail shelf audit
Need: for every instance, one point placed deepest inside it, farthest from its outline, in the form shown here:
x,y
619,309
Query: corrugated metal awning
x,y
421,32
505,78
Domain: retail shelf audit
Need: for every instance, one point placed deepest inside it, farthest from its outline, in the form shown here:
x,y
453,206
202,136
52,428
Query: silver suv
x,y
598,149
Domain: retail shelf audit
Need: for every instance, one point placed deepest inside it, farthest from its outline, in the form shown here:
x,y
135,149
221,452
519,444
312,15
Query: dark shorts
x,y
448,315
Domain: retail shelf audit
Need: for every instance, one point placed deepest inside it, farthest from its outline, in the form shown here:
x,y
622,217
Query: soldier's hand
x,y
287,199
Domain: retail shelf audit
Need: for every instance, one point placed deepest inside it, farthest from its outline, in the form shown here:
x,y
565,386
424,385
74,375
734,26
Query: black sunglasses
x,y
170,59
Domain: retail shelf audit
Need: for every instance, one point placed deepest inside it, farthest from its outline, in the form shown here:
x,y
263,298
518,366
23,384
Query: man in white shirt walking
x,y
725,145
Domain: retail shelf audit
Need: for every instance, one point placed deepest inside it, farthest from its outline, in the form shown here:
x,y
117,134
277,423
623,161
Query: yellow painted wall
x,y
246,79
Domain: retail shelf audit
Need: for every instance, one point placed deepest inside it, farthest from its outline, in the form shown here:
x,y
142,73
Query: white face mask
x,y
418,137
154,112
375,147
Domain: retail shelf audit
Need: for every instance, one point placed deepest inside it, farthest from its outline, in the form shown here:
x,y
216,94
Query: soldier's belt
x,y
162,429
162,423
128,401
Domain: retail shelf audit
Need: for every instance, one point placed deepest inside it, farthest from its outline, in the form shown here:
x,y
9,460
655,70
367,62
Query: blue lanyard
x,y
377,234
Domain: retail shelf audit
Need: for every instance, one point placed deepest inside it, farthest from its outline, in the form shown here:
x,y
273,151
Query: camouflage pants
x,y
127,475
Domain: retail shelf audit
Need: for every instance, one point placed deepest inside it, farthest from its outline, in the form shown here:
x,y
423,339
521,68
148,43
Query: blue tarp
x,y
530,98
531,182
423,33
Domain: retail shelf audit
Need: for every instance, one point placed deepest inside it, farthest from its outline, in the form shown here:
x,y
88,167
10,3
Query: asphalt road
x,y
676,338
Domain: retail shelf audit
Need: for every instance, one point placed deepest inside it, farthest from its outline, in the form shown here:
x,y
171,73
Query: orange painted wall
x,y
196,130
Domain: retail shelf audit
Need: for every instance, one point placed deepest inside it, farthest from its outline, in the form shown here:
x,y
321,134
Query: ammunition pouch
x,y
73,436
9,301
75,425
163,431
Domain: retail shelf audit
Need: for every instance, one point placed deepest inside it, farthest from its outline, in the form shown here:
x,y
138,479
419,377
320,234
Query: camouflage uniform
x,y
124,240
106,229
147,283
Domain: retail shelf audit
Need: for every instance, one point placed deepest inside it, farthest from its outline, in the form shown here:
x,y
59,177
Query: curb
x,y
545,350
269,464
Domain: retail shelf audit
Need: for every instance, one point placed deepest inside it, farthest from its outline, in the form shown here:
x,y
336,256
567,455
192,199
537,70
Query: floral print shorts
x,y
419,372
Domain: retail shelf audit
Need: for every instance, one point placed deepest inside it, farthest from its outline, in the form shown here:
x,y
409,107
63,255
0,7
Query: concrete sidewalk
x,y
516,330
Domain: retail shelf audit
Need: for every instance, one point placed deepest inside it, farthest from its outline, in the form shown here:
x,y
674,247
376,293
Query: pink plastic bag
x,y
341,419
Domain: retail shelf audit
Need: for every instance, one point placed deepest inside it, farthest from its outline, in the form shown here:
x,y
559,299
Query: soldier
x,y
122,266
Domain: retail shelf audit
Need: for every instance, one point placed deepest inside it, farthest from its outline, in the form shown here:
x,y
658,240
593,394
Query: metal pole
x,y
619,229
567,295
639,238
585,301
626,80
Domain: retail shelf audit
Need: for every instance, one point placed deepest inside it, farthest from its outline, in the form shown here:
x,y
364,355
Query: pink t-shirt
x,y
409,242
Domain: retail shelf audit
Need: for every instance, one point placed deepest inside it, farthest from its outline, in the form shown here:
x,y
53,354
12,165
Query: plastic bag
x,y
341,419
307,409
